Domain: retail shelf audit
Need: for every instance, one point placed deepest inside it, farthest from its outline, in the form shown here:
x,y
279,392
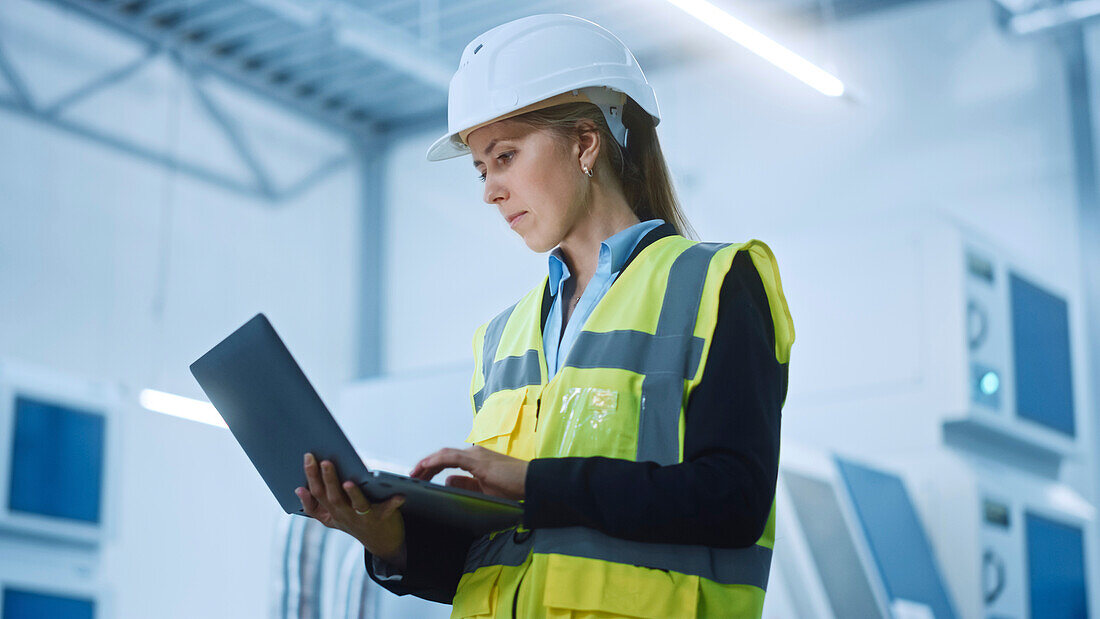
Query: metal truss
x,y
50,113
328,60
1033,17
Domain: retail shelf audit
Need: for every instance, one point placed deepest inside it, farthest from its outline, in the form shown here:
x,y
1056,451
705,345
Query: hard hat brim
x,y
454,144
446,148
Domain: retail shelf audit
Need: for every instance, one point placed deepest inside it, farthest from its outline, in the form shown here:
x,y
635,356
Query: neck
x,y
607,215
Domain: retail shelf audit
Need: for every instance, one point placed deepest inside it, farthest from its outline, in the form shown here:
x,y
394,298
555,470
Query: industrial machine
x,y
924,333
850,543
946,535
1013,544
58,434
50,580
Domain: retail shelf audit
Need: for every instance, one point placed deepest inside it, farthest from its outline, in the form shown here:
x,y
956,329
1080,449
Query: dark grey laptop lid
x,y
275,414
272,409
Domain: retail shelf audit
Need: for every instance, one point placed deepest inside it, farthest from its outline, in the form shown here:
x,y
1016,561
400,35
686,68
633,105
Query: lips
x,y
513,218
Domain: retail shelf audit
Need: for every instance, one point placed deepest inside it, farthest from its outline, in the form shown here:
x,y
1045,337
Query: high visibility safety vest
x,y
621,393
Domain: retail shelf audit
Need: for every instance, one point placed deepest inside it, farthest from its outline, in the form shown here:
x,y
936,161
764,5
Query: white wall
x,y
117,269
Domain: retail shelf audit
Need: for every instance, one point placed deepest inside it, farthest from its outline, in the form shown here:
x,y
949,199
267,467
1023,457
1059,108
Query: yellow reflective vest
x,y
621,393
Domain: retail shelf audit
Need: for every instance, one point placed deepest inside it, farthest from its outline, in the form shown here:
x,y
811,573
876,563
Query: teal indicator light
x,y
990,383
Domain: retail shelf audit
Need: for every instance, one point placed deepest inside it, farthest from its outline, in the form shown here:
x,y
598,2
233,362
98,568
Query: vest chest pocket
x,y
592,421
496,423
477,593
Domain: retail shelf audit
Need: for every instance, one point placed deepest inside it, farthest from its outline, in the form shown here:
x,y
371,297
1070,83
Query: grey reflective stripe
x,y
501,550
492,339
663,386
510,373
635,351
728,566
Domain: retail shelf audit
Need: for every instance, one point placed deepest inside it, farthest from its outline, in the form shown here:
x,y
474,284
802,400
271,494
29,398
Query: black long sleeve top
x,y
720,495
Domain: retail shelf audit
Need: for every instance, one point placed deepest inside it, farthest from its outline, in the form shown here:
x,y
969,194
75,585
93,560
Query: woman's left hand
x,y
493,473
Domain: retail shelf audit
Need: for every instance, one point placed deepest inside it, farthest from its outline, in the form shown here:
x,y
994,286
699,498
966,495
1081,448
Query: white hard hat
x,y
535,62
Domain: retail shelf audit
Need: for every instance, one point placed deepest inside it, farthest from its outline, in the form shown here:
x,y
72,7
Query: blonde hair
x,y
642,173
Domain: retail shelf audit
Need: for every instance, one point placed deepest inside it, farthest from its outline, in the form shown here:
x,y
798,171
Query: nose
x,y
494,191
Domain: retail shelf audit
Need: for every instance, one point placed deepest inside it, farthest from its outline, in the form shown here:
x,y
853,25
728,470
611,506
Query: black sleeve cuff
x,y
435,556
548,502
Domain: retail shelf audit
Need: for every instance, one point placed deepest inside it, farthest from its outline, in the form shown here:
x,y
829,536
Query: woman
x,y
631,400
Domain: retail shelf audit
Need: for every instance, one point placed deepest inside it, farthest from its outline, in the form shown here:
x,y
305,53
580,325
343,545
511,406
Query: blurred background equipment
x,y
853,542
56,481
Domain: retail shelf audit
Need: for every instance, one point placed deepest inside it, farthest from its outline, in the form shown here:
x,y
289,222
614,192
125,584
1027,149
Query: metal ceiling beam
x,y
142,152
197,21
235,137
456,9
323,59
349,88
98,84
1050,18
323,171
20,102
242,30
288,42
359,30
171,7
188,54
12,77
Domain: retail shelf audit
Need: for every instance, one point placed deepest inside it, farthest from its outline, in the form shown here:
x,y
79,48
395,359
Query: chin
x,y
538,246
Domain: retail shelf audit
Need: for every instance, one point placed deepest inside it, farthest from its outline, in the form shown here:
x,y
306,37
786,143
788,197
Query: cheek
x,y
556,197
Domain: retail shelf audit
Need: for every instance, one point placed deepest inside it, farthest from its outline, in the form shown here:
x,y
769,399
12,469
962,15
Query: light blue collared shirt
x,y
613,253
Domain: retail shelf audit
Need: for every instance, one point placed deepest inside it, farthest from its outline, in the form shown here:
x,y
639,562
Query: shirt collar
x,y
613,253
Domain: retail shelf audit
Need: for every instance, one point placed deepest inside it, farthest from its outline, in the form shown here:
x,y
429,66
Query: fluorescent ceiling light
x,y
762,46
179,406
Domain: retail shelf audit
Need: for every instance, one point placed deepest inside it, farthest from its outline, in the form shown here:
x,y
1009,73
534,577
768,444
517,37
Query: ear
x,y
587,146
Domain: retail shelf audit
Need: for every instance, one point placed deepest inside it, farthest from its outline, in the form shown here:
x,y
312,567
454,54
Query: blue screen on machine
x,y
1040,344
896,537
1056,569
57,461
23,604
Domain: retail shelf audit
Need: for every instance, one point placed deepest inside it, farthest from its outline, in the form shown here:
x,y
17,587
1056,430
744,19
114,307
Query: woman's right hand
x,y
381,530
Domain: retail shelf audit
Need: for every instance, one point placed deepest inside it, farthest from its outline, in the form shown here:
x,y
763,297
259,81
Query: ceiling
x,y
366,67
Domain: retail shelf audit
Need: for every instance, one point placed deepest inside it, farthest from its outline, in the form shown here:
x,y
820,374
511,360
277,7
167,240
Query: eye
x,y
508,154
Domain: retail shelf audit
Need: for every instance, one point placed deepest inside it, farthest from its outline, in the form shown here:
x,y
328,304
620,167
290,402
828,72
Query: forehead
x,y
484,138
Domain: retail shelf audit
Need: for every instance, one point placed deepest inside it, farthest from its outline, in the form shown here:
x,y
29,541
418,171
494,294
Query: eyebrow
x,y
488,148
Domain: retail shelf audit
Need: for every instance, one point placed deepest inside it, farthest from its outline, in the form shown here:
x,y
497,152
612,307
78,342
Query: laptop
x,y
275,414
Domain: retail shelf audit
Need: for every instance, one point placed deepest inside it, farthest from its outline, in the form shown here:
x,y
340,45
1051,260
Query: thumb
x,y
390,505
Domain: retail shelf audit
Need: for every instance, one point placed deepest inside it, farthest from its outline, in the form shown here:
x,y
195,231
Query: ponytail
x,y
642,172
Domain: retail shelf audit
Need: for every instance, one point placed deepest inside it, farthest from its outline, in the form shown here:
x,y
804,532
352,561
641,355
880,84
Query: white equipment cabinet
x,y
1014,544
60,438
920,332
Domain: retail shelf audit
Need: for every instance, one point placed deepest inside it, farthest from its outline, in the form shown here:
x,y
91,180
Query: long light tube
x,y
179,406
752,40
